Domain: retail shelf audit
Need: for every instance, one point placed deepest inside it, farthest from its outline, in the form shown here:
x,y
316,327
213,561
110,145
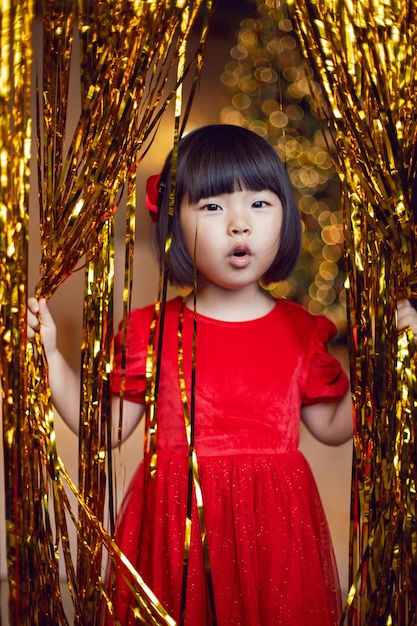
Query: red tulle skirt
x,y
270,552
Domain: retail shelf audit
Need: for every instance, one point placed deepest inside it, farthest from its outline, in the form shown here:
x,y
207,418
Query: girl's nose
x,y
240,229
239,225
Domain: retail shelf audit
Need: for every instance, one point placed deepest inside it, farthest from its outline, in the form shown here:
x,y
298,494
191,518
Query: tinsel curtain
x,y
363,54
133,59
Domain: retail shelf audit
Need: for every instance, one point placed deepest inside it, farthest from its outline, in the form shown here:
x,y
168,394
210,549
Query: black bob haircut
x,y
219,159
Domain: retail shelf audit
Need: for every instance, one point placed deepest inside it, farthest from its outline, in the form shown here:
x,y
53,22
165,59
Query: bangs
x,y
222,162
220,159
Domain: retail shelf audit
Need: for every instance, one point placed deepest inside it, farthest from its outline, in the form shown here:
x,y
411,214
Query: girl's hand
x,y
39,319
407,317
63,382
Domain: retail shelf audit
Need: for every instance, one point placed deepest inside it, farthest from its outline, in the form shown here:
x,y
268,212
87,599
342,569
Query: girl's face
x,y
234,237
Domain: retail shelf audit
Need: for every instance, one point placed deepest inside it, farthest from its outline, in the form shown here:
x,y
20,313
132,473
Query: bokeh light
x,y
269,91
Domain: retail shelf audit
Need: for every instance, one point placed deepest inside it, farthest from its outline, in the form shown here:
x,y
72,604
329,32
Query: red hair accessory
x,y
152,195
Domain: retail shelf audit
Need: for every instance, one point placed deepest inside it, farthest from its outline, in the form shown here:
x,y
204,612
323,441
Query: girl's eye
x,y
259,204
211,207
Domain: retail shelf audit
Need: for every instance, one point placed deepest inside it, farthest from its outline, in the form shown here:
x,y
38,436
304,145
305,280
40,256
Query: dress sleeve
x,y
326,380
137,332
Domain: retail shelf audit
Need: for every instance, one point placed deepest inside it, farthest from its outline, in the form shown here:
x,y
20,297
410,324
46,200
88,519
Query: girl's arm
x,y
332,423
64,382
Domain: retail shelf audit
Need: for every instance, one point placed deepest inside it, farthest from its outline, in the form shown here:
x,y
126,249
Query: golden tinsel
x,y
129,59
363,56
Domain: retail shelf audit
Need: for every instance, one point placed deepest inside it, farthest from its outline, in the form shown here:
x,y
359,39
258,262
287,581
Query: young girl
x,y
261,365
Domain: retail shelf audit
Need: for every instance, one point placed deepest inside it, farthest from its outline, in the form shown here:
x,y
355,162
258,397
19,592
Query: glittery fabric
x,y
270,552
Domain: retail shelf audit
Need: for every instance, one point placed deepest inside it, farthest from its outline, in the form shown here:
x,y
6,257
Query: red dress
x,y
270,552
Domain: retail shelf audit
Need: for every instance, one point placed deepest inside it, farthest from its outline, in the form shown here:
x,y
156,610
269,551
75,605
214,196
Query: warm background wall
x,y
331,466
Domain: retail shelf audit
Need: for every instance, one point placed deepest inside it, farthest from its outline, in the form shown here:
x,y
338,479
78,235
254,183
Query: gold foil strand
x,y
153,355
153,362
150,610
152,371
117,116
189,429
194,484
15,124
48,536
362,53
115,120
199,57
128,277
58,20
95,412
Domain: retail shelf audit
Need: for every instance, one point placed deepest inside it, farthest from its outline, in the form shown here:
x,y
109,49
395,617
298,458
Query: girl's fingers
x,y
407,316
33,324
37,316
39,319
32,318
45,316
33,305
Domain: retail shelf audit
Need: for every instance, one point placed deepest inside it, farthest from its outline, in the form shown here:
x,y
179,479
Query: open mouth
x,y
240,256
240,250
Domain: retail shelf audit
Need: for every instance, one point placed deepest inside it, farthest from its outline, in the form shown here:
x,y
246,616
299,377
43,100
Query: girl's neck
x,y
231,305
